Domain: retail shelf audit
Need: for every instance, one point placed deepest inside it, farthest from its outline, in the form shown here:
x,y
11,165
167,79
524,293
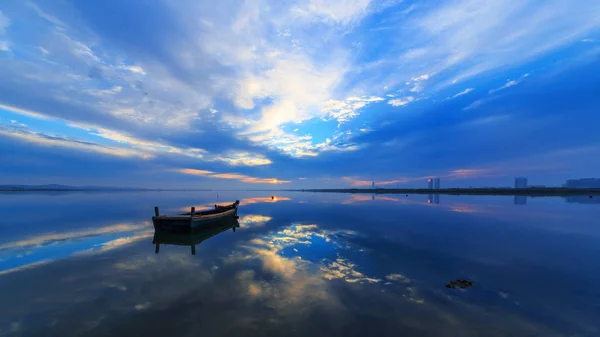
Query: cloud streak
x,y
464,92
508,84
235,176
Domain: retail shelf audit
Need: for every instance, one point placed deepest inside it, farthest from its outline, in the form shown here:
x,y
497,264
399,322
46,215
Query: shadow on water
x,y
177,238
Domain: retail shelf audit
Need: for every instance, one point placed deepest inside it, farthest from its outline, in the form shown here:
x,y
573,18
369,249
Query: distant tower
x,y
436,183
520,182
430,183
373,184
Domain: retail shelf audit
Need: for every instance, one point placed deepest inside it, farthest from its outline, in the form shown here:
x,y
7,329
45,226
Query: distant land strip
x,y
63,188
533,191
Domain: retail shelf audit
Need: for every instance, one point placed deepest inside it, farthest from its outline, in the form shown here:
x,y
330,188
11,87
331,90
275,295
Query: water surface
x,y
84,264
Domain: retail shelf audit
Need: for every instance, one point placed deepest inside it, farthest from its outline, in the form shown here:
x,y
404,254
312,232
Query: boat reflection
x,y
195,238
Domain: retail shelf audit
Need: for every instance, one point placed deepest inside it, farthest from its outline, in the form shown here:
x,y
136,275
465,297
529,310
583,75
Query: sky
x,y
298,94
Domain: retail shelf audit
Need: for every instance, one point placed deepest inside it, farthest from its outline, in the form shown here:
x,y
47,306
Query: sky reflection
x,y
320,267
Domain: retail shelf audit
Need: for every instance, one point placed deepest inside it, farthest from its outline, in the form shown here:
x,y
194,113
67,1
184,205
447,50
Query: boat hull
x,y
189,223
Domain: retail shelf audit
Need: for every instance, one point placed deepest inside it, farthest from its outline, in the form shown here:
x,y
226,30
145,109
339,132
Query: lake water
x,y
84,264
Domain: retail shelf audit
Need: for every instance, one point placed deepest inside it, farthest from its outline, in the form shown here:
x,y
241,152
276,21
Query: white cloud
x,y
508,84
464,92
343,269
397,277
286,83
333,11
345,110
51,238
401,101
234,176
127,145
487,120
4,46
42,14
296,145
254,220
474,105
461,39
498,33
421,78
105,92
134,69
142,306
279,63
44,139
236,158
43,50
4,23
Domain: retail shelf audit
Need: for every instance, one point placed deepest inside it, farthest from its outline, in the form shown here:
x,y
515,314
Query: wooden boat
x,y
191,221
195,238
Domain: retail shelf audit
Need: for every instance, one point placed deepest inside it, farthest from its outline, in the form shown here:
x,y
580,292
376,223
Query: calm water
x,y
83,264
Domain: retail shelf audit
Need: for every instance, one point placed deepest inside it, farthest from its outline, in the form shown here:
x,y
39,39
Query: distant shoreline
x,y
548,191
98,190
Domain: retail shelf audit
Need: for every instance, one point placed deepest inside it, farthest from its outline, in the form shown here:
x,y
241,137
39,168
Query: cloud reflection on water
x,y
45,248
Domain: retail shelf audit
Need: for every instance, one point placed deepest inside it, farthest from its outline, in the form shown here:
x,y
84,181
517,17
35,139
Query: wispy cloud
x,y
27,135
124,143
345,110
4,23
302,145
236,158
333,12
254,220
4,46
235,176
225,83
464,92
401,101
490,120
50,238
474,105
42,14
508,84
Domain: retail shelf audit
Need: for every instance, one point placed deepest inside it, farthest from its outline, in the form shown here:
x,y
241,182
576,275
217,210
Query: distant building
x,y
373,184
537,186
520,182
583,183
433,183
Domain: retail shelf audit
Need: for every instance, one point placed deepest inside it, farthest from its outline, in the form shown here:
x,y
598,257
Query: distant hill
x,y
57,187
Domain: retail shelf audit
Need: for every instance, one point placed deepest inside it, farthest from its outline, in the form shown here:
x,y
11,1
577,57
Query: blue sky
x,y
303,94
